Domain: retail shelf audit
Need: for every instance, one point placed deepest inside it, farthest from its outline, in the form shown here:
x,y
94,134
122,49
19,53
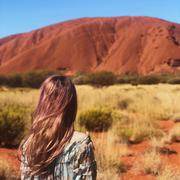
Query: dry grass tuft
x,y
169,173
172,136
136,128
176,117
148,163
174,133
108,156
158,143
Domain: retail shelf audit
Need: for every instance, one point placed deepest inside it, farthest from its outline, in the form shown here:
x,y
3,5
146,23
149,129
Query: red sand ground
x,y
122,45
10,155
137,149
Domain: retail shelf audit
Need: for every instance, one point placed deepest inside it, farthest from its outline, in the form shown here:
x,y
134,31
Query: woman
x,y
53,149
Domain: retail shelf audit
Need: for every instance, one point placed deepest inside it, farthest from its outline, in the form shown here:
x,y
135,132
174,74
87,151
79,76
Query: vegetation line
x,y
34,79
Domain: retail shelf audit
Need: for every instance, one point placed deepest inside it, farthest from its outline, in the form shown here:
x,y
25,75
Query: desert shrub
x,y
14,80
125,134
7,172
97,119
150,79
80,79
147,79
124,103
148,163
175,80
164,78
102,78
3,80
135,129
12,124
29,79
127,79
34,79
121,80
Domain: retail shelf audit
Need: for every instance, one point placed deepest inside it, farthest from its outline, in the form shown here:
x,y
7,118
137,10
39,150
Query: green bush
x,y
124,103
34,79
12,124
15,80
150,79
175,80
2,80
29,79
81,79
164,78
97,119
147,79
125,134
102,78
127,79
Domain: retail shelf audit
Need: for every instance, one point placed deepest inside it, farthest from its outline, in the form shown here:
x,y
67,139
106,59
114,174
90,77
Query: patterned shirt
x,y
76,162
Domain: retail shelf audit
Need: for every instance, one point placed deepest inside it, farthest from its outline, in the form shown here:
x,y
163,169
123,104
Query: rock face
x,y
123,45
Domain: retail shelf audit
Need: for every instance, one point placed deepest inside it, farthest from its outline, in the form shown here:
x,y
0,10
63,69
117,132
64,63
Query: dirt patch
x,y
166,125
10,155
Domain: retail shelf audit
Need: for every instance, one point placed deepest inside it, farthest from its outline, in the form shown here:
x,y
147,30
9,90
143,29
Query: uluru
x,y
123,45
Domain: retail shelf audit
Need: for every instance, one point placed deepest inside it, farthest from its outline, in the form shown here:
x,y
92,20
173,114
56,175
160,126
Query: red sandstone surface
x,y
123,45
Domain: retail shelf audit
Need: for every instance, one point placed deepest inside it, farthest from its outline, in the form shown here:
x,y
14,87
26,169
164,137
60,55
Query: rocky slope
x,y
123,45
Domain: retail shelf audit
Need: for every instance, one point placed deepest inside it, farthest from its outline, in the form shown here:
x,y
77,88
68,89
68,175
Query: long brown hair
x,y
52,126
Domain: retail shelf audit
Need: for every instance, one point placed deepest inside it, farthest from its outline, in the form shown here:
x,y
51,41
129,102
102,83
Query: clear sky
x,y
18,16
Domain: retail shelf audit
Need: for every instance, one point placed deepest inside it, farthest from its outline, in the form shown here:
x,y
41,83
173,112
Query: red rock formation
x,y
124,45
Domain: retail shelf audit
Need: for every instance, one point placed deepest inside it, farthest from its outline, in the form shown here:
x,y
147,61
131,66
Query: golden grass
x,y
148,163
169,173
174,133
176,117
157,143
172,136
136,111
154,101
134,128
157,101
108,154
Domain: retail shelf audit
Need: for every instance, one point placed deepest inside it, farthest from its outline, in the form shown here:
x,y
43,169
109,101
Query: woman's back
x,y
52,149
76,161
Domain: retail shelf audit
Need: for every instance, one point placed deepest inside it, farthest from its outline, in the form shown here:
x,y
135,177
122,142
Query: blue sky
x,y
18,16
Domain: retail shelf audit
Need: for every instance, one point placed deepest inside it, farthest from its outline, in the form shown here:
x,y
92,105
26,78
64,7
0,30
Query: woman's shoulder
x,y
84,151
78,142
79,137
79,156
84,144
